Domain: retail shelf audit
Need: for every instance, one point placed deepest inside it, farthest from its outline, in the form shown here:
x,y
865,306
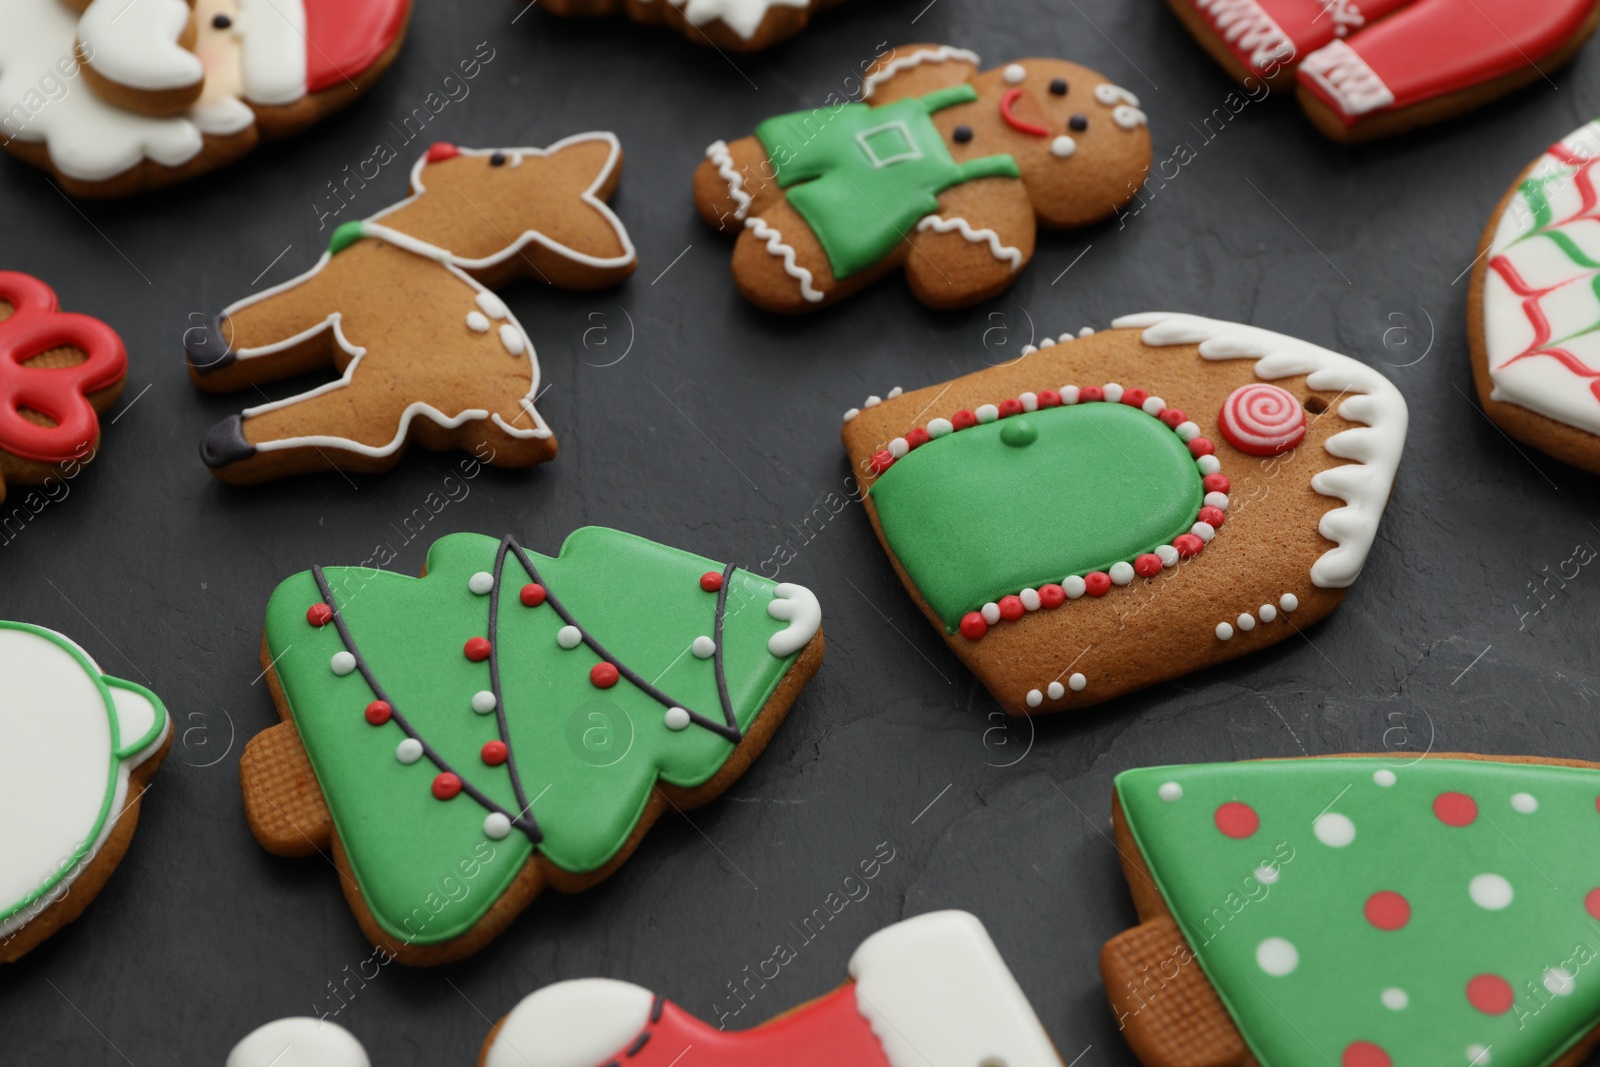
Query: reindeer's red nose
x,y
442,150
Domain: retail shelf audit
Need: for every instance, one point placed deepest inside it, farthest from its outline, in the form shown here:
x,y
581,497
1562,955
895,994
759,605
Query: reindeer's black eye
x,y
497,160
962,134
1077,123
221,22
1058,87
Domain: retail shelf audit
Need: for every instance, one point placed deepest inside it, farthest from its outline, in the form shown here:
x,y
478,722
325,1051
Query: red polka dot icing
x,y
1237,820
532,595
1388,910
1364,1054
476,649
319,615
603,675
1455,809
711,581
446,786
1490,994
1591,902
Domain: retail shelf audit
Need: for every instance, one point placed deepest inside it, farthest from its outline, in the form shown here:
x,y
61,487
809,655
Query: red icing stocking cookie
x,y
58,371
1371,68
942,171
448,366
927,992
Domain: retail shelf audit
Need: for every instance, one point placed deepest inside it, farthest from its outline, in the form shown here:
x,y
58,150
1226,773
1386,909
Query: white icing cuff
x,y
299,1042
798,606
937,994
1341,73
136,44
1246,26
582,1023
273,39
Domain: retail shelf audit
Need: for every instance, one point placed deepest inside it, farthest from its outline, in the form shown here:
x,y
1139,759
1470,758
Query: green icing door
x,y
1034,498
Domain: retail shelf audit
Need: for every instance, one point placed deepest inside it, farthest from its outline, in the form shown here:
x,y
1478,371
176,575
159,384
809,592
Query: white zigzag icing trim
x,y
776,247
1346,77
719,155
1370,398
1246,24
941,54
938,224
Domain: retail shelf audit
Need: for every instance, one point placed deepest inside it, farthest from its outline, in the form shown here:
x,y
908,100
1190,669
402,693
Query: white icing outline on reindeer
x,y
456,265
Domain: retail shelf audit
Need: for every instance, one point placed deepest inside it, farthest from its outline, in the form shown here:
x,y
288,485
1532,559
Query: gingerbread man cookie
x,y
58,371
1371,68
1119,509
453,780
78,751
401,306
731,25
942,170
1367,911
1531,312
168,91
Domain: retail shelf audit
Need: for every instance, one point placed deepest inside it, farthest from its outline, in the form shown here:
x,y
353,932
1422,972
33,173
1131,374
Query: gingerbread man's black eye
x,y
221,22
497,160
1077,123
1058,87
962,134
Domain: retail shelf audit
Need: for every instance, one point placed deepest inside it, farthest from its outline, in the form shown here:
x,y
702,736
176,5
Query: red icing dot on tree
x,y
1214,516
476,649
1097,583
1388,910
603,675
1237,820
1009,407
1188,545
1490,994
1455,809
963,419
379,712
532,595
1052,596
1011,608
1174,417
1089,394
1149,564
918,437
880,462
973,627
1049,399
1201,446
1591,902
446,786
1216,483
1364,1054
711,581
319,615
494,753
1135,398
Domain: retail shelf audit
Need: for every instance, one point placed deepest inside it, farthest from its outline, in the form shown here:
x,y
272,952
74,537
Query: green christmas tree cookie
x,y
503,722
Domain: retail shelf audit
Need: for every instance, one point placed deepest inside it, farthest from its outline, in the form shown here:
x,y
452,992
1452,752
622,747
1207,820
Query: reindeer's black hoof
x,y
204,347
224,443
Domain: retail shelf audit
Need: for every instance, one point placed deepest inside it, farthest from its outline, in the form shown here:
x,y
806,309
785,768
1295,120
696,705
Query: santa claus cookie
x,y
1371,68
731,25
78,752
58,371
299,1042
168,91
1119,509
942,170
1533,315
927,992
1363,911
510,721
401,306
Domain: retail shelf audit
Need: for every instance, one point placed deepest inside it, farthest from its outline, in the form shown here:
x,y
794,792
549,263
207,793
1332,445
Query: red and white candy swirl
x,y
1262,420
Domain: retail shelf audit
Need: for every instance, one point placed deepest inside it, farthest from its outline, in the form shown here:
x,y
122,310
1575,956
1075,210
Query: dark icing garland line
x,y
526,824
494,681
728,729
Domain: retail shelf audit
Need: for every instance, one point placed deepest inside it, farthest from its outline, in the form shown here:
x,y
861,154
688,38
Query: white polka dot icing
x,y
1277,957
342,663
483,702
703,647
1385,778
1559,981
1395,999
1333,829
1268,874
1526,803
1491,892
569,637
1477,1056
496,825
1170,792
408,751
481,583
676,718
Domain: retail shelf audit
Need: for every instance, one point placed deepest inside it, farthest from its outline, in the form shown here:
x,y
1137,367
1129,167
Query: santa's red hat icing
x,y
295,47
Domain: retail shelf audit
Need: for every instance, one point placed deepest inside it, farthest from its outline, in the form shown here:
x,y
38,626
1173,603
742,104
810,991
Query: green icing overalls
x,y
863,176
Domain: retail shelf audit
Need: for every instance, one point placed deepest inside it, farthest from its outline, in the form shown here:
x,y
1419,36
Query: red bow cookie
x,y
48,403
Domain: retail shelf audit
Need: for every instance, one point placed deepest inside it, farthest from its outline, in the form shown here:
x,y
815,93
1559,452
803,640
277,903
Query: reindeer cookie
x,y
731,25
116,97
941,170
401,307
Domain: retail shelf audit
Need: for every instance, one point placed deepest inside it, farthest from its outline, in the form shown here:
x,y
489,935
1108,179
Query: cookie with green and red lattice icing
x,y
510,720
1117,509
1533,313
1363,911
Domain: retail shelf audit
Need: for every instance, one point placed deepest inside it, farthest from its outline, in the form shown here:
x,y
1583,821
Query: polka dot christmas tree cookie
x,y
1362,911
510,720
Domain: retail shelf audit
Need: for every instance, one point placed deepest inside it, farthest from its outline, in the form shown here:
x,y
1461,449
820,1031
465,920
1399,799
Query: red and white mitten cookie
x,y
927,992
1359,911
730,25
943,171
165,101
1371,68
401,305
78,751
1119,509
1533,312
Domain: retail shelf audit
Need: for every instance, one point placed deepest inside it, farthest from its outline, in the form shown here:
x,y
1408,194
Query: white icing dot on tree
x,y
1170,792
408,751
1277,957
483,702
1113,392
496,825
481,583
1267,874
1074,586
1384,778
1525,803
1477,1056
569,637
1121,572
990,613
342,663
987,413
703,647
1395,999
940,427
676,718
1334,830
1491,892
1559,981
